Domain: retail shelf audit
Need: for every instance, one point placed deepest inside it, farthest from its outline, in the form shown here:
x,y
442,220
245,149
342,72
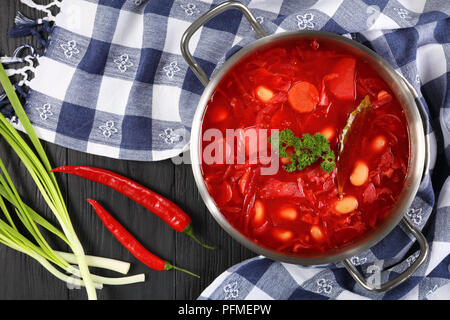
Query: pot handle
x,y
201,75
404,275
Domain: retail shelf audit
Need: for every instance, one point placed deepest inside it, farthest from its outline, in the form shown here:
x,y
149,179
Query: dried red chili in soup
x,y
308,87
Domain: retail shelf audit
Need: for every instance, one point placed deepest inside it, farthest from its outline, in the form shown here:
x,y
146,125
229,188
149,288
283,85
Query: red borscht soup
x,y
323,90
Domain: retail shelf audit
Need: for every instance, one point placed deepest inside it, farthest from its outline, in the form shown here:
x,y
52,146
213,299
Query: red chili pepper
x,y
173,215
130,243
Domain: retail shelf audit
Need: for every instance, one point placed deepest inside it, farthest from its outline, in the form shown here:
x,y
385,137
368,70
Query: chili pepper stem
x,y
190,232
169,266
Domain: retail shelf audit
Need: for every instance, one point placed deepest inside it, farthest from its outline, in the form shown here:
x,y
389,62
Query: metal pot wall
x,y
418,160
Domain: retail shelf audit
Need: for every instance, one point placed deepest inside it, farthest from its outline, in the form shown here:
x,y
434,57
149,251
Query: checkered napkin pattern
x,y
113,82
414,38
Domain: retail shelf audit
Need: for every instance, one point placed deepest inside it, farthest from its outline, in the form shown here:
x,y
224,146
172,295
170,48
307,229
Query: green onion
x,y
305,150
39,167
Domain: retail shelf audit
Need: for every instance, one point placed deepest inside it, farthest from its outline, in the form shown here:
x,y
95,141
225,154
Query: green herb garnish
x,y
304,151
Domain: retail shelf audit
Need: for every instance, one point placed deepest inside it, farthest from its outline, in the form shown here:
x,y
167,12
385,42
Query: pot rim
x,y
416,148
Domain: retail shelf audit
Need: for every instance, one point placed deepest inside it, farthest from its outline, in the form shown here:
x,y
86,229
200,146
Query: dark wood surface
x,y
23,278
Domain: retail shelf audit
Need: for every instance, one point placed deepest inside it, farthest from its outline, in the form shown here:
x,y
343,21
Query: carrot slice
x,y
303,97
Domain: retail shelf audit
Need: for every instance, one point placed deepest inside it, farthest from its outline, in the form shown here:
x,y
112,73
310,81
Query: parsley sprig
x,y
304,151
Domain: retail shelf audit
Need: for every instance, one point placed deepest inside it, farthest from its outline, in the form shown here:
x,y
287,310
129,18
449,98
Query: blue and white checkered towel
x,y
112,82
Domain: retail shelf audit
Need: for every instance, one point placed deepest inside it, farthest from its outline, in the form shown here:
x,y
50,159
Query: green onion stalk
x,y
39,168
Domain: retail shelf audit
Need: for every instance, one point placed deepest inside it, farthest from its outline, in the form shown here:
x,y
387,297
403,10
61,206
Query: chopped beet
x,y
276,189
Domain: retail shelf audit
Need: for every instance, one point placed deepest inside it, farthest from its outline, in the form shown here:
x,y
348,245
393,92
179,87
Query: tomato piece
x,y
303,97
343,86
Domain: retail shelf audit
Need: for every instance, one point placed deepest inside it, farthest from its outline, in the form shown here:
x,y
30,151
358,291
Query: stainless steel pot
x,y
418,159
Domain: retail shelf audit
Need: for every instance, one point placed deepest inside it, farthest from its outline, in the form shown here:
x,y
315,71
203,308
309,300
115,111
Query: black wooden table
x,y
23,278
